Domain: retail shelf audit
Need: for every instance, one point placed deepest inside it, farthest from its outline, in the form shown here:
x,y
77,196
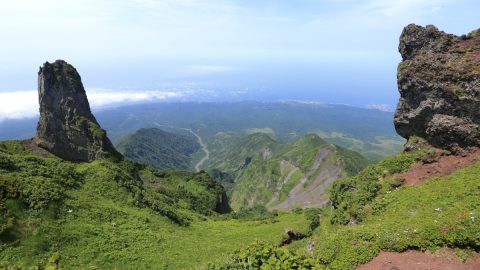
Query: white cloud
x,y
16,105
24,104
100,98
380,107
167,39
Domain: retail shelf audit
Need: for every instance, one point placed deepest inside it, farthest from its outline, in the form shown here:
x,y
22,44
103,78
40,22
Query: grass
x,y
441,212
351,196
257,181
96,216
111,235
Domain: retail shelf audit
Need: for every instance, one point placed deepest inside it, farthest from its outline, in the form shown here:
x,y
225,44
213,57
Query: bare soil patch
x,y
445,259
438,165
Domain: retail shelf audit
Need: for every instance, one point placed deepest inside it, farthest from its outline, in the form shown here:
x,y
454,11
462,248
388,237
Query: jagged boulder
x,y
439,85
67,127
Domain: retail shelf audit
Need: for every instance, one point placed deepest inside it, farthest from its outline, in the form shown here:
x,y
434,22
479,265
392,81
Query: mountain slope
x,y
160,149
425,199
282,176
109,213
441,212
99,215
369,132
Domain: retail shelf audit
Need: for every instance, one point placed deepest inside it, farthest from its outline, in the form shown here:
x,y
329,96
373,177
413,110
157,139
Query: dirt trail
x,y
438,165
445,259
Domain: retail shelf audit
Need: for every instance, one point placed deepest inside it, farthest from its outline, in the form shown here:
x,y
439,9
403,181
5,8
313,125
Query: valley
x,y
160,149
367,131
262,171
204,149
252,185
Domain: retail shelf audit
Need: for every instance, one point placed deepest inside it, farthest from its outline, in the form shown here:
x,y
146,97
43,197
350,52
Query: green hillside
x,y
369,132
99,215
261,171
160,149
442,212
119,215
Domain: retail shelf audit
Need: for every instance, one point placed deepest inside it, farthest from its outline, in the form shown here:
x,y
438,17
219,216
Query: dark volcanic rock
x,y
439,84
67,128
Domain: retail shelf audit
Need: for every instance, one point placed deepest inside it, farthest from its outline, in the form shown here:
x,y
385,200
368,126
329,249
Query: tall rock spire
x,y
67,127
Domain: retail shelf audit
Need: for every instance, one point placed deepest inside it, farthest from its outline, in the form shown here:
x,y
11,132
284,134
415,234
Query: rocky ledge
x,y
67,127
439,84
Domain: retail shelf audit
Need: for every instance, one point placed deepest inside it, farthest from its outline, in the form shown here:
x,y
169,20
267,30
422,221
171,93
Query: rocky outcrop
x,y
439,84
291,236
66,127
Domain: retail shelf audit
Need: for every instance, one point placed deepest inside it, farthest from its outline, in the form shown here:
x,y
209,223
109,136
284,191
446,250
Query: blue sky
x,y
337,51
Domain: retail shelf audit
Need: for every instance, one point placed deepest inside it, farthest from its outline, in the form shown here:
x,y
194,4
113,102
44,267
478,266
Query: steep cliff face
x,y
67,128
439,84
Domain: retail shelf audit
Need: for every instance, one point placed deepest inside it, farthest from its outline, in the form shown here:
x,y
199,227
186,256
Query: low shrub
x,y
262,255
350,196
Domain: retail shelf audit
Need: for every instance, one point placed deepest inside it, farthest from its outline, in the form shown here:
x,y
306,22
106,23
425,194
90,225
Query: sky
x,y
334,51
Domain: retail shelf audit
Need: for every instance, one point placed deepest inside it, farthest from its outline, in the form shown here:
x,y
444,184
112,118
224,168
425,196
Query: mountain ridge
x,y
119,214
283,176
159,148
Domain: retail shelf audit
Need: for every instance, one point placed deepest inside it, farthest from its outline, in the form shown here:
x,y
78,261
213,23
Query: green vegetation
x,y
262,255
93,128
351,195
265,171
442,212
122,215
369,132
191,191
57,214
402,66
459,91
61,67
160,149
99,215
474,33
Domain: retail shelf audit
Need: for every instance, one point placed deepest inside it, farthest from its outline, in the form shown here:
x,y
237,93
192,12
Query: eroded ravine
x,y
327,172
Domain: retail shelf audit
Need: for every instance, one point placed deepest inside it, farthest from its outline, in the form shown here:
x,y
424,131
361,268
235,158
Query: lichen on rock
x,y
67,127
439,85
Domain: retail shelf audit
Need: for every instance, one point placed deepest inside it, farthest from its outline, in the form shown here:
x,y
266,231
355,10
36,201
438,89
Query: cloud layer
x,y
339,51
24,104
16,105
